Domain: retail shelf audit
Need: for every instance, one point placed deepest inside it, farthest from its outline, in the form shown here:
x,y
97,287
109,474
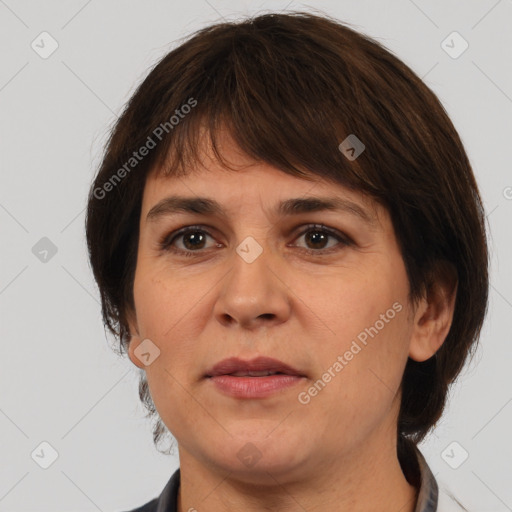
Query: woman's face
x,y
329,301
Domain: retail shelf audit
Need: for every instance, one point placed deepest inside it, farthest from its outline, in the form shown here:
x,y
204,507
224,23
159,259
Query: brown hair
x,y
290,87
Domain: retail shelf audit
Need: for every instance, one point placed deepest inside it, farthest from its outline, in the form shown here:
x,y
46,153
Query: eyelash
x,y
166,242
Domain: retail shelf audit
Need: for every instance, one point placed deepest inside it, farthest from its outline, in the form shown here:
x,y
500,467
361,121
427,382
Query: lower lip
x,y
254,387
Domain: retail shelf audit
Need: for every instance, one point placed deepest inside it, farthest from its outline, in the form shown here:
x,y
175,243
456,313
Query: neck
x,y
366,478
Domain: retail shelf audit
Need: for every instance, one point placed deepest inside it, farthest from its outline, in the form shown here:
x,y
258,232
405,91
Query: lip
x,y
235,364
253,387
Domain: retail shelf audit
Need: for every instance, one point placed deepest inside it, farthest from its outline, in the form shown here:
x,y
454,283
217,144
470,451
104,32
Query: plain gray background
x,y
60,382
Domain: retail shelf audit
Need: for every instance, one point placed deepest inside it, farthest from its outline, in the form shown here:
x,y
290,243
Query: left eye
x,y
194,239
319,235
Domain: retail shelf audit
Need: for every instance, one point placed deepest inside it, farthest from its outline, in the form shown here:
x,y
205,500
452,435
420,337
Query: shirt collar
x,y
429,490
427,495
168,499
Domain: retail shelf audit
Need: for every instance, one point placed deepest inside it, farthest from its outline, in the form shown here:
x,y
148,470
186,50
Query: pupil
x,y
316,238
193,236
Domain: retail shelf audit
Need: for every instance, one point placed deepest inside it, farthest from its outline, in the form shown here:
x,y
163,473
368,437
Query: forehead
x,y
240,181
230,194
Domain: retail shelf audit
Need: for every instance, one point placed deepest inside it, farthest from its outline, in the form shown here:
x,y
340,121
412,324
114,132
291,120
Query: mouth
x,y
264,373
258,378
258,367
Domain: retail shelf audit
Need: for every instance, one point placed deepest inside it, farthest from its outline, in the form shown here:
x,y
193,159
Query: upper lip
x,y
234,364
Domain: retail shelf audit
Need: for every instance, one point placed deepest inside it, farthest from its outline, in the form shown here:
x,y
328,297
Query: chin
x,y
253,458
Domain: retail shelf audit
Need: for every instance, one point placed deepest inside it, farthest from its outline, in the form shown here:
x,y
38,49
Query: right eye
x,y
193,236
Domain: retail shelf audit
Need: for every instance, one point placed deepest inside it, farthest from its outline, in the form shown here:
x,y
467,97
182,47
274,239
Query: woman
x,y
290,244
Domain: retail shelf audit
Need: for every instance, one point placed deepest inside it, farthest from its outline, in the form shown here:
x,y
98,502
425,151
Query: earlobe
x,y
434,315
134,343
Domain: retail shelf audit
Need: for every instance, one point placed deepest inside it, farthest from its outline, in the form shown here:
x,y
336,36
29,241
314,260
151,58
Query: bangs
x,y
269,103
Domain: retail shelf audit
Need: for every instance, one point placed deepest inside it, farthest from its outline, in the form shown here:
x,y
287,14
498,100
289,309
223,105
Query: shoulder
x,y
150,506
168,499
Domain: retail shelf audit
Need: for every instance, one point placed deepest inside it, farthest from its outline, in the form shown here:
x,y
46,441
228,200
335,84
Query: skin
x,y
337,452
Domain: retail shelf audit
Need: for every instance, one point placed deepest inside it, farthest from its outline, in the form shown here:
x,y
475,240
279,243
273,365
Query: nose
x,y
253,293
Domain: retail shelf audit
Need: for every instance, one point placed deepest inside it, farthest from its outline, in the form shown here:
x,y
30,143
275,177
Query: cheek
x,y
374,361
162,304
354,301
369,331
164,316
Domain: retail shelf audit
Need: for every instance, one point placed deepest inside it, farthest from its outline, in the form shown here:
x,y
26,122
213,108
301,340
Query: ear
x,y
135,339
434,313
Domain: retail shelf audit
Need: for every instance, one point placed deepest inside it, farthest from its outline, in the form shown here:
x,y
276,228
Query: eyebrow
x,y
295,206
